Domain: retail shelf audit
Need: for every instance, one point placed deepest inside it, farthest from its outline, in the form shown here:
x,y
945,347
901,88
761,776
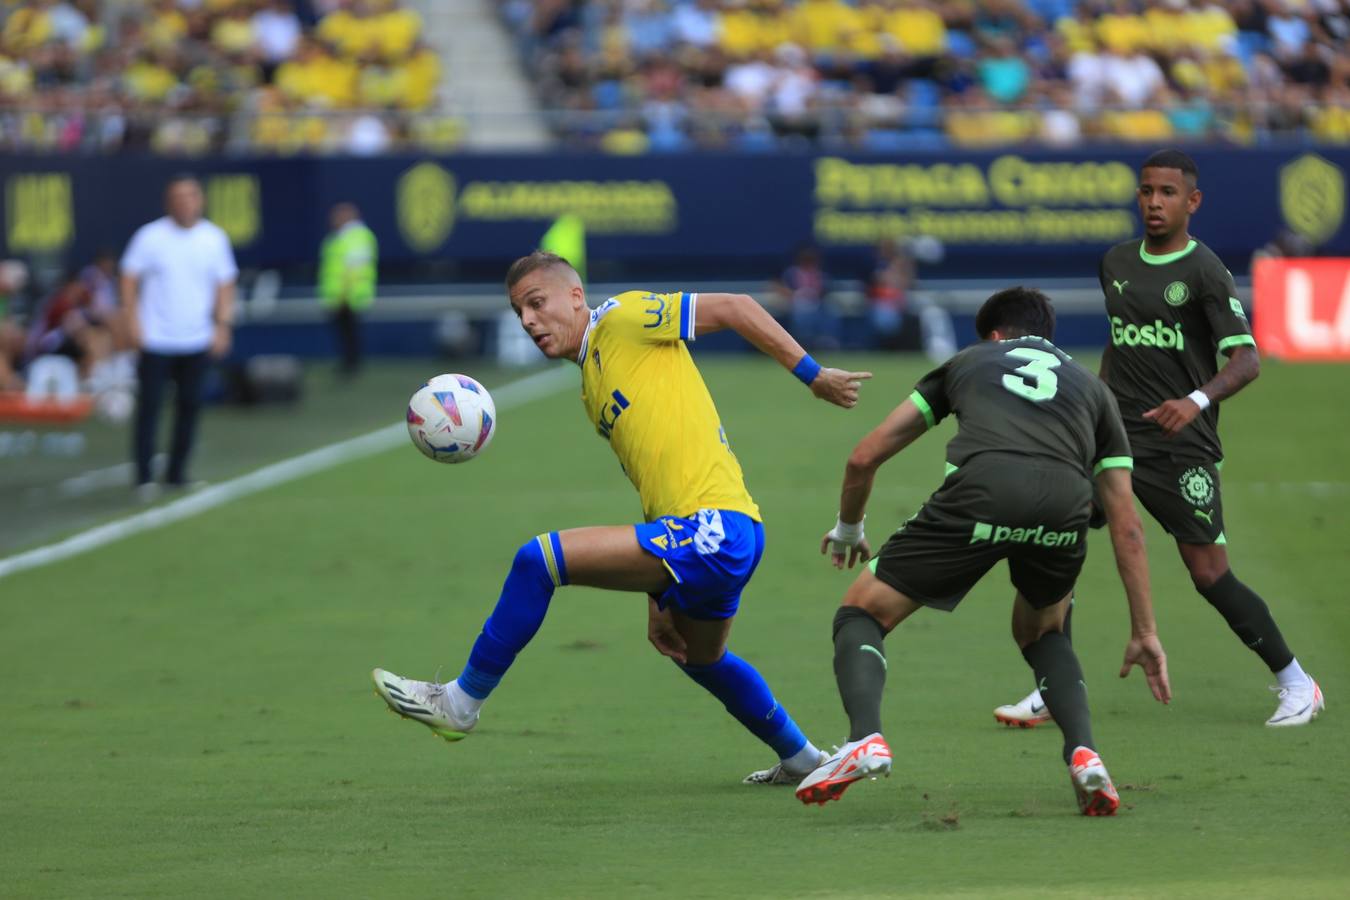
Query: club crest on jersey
x,y
1176,293
1197,486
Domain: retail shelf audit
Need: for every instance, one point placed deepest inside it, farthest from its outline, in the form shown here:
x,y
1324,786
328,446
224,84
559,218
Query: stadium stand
x,y
195,76
631,76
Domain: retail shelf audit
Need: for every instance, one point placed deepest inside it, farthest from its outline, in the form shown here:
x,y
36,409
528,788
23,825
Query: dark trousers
x,y
348,328
187,372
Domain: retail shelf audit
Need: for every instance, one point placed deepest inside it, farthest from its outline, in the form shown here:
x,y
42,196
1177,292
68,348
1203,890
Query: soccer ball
x,y
451,418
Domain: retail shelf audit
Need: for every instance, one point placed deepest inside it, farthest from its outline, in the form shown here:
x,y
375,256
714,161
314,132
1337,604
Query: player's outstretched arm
x,y
846,542
1127,538
743,315
1241,369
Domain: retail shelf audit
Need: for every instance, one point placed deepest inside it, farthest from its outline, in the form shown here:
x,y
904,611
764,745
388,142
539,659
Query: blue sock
x,y
747,697
537,569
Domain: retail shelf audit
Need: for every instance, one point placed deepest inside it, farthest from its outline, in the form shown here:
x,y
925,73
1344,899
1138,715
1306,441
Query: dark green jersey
x,y
1025,397
1170,318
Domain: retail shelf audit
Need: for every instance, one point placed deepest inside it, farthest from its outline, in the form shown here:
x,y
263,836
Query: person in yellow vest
x,y
347,266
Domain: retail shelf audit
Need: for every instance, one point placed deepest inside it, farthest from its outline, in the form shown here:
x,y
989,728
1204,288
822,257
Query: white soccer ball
x,y
451,418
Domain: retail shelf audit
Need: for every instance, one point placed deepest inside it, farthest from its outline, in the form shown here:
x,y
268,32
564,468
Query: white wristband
x,y
846,533
1199,398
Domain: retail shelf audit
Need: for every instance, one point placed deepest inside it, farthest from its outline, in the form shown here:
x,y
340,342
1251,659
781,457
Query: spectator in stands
x,y
806,288
71,322
100,279
13,279
887,292
751,80
187,77
368,135
695,23
178,276
794,92
347,271
1288,29
277,32
1004,72
650,27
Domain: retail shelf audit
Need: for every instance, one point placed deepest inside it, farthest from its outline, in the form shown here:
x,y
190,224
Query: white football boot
x,y
1028,712
1298,706
852,762
1096,794
780,774
427,702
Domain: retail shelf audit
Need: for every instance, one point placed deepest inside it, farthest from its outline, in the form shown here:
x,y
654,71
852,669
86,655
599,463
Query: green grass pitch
x,y
188,713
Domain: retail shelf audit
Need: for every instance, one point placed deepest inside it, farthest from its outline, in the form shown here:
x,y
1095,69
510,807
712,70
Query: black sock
x,y
1060,679
859,669
1068,618
1249,617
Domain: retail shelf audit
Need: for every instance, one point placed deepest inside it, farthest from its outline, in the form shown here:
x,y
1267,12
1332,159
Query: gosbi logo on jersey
x,y
1159,334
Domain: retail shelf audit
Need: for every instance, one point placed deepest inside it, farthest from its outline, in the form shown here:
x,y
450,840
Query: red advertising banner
x,y
1301,308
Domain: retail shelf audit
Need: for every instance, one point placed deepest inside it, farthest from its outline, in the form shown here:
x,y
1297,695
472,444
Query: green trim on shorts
x,y
1218,466
948,468
1237,340
873,565
1221,540
917,399
1113,462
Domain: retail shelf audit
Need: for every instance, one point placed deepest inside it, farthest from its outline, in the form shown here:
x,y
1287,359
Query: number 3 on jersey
x,y
1038,382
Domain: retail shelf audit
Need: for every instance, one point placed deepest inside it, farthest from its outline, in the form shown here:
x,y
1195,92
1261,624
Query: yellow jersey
x,y
645,395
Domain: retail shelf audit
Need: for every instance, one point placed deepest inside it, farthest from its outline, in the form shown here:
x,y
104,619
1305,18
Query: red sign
x,y
1301,308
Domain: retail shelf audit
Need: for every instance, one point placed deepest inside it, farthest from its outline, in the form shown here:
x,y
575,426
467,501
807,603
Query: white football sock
x,y
460,700
804,760
1292,676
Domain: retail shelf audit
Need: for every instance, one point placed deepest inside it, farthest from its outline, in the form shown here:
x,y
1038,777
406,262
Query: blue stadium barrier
x,y
1010,213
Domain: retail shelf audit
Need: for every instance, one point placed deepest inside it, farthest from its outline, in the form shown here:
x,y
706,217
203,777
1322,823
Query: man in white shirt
x,y
178,277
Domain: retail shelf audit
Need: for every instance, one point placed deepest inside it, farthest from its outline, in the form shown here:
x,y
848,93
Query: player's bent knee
x,y
542,558
1205,578
881,601
1205,572
1206,563
1030,624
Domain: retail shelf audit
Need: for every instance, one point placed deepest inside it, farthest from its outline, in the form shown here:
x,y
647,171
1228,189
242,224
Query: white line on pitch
x,y
513,394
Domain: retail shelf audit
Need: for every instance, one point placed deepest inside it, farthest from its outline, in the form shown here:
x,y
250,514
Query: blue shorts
x,y
710,557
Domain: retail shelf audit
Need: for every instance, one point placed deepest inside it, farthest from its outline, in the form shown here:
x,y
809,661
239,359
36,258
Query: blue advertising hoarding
x,y
1008,213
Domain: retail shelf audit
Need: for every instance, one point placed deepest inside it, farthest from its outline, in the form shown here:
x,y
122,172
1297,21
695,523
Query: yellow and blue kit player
x,y
702,536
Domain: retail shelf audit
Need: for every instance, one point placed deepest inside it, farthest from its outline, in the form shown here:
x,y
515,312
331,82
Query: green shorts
x,y
1183,494
1033,514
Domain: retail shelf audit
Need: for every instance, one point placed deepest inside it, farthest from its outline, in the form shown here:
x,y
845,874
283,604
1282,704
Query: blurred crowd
x,y
639,75
194,76
874,307
77,317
